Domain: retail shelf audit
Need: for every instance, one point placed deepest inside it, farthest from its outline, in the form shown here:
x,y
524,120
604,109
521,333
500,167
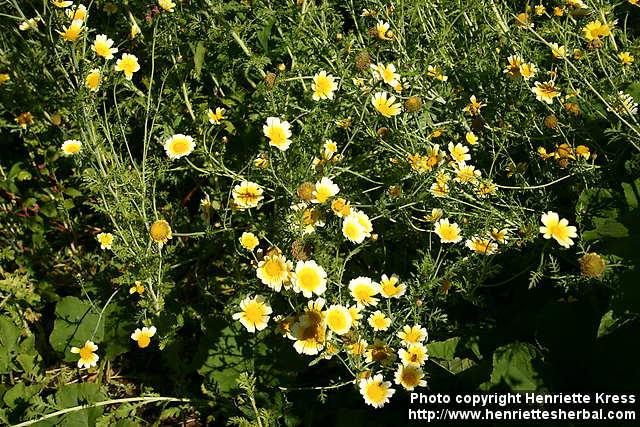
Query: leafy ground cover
x,y
296,212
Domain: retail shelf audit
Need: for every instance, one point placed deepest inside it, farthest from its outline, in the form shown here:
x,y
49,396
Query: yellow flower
x,y
558,52
375,391
88,357
261,162
390,288
626,58
93,80
136,288
355,311
77,12
71,147
412,334
483,246
29,24
143,336
249,241
467,174
324,190
128,64
278,133
254,314
338,319
167,5
540,10
583,151
178,146
24,119
514,62
160,232
546,92
4,77
577,4
247,195
436,214
329,149
323,86
624,104
135,29
274,271
414,355
485,189
358,348
309,278
309,330
105,240
356,227
439,189
72,32
378,321
558,11
217,116
594,30
62,3
409,377
500,236
102,47
386,73
592,266
379,352
471,138
448,232
385,104
363,290
341,207
523,21
382,30
557,228
474,106
459,153
436,73
528,70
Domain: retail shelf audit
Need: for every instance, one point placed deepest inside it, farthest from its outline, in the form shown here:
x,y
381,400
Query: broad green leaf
x,y
513,366
71,395
443,349
225,361
9,336
75,322
630,193
457,365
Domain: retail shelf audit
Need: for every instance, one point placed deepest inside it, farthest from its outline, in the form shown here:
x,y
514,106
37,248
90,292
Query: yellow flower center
x,y
273,267
86,352
253,312
180,145
362,293
448,232
412,336
336,320
308,279
102,48
410,378
323,86
143,340
352,230
376,392
160,231
277,135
